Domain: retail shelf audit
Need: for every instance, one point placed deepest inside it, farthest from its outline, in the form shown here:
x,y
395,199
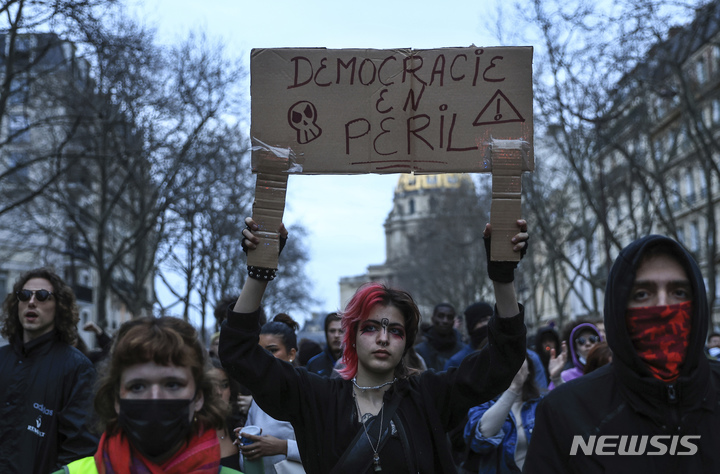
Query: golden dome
x,y
416,182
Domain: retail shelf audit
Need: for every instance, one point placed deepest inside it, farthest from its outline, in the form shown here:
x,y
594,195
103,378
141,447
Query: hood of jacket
x,y
693,381
546,332
577,330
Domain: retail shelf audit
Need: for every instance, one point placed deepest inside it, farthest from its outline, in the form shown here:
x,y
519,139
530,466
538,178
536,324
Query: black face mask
x,y
154,427
477,336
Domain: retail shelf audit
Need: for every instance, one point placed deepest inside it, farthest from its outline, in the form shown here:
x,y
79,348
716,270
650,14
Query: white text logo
x,y
43,410
36,431
611,445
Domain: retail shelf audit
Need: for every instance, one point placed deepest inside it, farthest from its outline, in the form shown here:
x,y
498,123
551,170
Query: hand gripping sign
x,y
358,111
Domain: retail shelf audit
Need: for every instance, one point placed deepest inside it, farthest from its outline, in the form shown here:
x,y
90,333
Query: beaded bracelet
x,y
262,274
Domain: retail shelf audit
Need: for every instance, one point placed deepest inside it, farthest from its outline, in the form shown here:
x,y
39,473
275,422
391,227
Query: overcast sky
x,y
344,214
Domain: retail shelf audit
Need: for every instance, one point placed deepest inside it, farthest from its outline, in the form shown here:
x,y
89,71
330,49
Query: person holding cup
x,y
274,440
378,415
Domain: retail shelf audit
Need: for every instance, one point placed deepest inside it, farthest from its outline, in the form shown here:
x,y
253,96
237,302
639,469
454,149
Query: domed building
x,y
434,218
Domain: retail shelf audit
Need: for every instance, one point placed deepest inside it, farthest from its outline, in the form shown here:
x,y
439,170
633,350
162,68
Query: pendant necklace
x,y
376,456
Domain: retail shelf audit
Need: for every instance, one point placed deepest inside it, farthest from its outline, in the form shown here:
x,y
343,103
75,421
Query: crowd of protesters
x,y
637,389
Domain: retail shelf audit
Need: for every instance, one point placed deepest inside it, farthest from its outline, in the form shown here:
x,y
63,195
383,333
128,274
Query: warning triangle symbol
x,y
498,110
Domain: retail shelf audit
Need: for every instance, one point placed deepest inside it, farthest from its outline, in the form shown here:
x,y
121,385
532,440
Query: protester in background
x,y
226,389
307,349
440,340
713,346
45,382
375,416
477,316
498,432
220,309
323,363
103,342
546,340
414,362
583,338
598,356
277,442
214,343
600,325
157,406
659,396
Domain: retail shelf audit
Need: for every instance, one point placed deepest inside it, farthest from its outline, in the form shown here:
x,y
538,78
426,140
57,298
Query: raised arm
x,y
254,289
502,273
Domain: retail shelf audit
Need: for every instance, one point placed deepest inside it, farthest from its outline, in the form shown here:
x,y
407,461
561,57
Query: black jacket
x,y
46,393
323,363
322,410
621,407
436,349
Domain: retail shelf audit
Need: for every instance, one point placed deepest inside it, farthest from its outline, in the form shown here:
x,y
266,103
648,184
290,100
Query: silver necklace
x,y
376,456
376,387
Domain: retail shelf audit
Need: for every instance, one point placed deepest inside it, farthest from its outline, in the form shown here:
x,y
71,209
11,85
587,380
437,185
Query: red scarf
x,y
201,455
660,335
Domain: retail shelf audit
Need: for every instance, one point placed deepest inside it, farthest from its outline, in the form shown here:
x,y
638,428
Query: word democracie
x,y
625,445
366,71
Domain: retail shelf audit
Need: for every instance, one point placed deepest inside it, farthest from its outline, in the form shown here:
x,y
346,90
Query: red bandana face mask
x,y
660,336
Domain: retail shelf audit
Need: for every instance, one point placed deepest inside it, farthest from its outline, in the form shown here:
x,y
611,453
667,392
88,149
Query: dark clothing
x,y
232,461
437,348
46,396
623,400
104,343
540,376
546,333
323,363
322,410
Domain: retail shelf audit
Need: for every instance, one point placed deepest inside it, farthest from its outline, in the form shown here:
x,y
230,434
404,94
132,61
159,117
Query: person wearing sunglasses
x,y
584,337
45,382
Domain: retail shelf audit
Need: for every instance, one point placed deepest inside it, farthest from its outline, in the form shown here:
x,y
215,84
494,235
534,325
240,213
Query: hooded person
x,y
477,316
655,407
324,362
582,339
546,339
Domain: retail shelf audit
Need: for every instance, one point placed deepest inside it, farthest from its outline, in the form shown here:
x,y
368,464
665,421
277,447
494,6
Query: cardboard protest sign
x,y
356,111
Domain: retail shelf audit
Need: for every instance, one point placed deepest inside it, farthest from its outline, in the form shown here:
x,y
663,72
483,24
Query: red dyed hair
x,y
358,309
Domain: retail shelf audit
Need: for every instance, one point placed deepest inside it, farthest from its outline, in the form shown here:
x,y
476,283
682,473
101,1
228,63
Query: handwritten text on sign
x,y
355,111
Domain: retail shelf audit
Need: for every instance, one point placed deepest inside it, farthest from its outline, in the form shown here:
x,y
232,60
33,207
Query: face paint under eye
x,y
367,328
397,332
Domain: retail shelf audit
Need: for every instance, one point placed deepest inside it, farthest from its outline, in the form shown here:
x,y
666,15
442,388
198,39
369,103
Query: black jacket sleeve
x,y
75,438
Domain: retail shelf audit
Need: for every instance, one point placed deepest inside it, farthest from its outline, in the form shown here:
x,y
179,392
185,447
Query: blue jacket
x,y
322,363
497,453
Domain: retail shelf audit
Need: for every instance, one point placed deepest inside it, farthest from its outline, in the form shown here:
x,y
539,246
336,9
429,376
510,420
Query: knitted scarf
x,y
201,455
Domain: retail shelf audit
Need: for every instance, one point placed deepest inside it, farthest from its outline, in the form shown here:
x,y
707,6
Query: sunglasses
x,y
40,295
592,339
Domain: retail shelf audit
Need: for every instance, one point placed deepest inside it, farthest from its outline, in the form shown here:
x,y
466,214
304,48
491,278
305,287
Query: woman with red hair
x,y
377,415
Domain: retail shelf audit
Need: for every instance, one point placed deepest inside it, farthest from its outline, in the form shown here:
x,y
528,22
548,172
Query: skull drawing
x,y
302,117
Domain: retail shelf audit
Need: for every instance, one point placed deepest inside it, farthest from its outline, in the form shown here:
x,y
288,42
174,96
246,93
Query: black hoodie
x,y
587,424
